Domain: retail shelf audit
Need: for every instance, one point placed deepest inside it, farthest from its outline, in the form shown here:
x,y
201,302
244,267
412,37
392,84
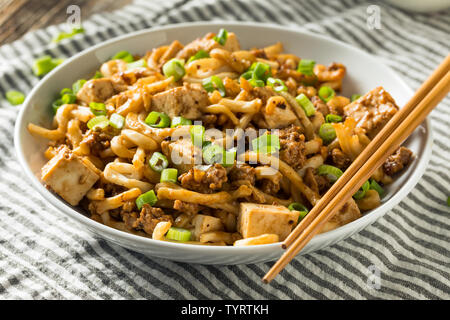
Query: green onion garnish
x,y
123,55
78,85
362,191
174,68
213,153
327,132
178,234
306,104
98,108
306,67
97,75
137,64
15,97
117,121
333,118
65,35
158,162
197,135
212,83
98,122
266,143
355,97
228,158
201,54
277,85
44,65
56,104
260,71
169,175
65,90
375,186
221,37
299,207
326,93
146,198
68,98
180,121
256,83
331,172
157,120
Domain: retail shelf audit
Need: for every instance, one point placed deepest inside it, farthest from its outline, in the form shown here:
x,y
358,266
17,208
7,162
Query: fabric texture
x,y
45,255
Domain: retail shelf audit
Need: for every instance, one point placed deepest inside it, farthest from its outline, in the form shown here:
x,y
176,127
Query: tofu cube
x,y
69,176
257,219
203,223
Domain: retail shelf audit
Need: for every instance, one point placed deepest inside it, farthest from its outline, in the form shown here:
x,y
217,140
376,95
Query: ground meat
x,y
185,207
320,105
242,173
268,186
340,160
209,120
98,141
147,220
292,144
231,87
204,181
397,161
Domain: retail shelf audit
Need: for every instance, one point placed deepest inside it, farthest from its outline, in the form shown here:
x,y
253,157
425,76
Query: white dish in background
x,y
364,73
421,5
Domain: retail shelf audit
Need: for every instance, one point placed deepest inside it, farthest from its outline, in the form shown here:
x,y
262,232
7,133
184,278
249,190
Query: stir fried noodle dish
x,y
207,143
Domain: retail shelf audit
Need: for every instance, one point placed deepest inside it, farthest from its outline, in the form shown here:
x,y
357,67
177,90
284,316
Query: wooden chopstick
x,y
411,118
368,151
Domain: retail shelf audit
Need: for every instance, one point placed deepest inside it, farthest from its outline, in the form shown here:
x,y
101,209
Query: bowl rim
x,y
102,229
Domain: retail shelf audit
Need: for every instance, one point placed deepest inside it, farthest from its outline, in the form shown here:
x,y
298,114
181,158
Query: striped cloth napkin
x,y
404,255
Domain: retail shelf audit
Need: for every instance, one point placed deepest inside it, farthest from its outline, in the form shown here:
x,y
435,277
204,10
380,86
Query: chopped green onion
x,y
277,85
65,35
206,143
137,64
266,143
355,97
331,172
157,120
201,54
221,37
68,98
44,65
169,175
180,121
15,97
174,68
146,198
213,153
247,75
178,234
228,158
197,135
56,104
98,122
260,71
297,207
306,67
212,83
333,118
123,55
117,121
65,90
362,191
158,162
98,108
375,186
326,93
97,75
327,132
256,83
78,85
306,104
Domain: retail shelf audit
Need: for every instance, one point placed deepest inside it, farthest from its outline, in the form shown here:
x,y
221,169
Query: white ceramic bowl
x,y
364,74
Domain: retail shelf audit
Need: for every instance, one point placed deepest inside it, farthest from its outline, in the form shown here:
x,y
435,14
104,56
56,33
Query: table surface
x,y
17,17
